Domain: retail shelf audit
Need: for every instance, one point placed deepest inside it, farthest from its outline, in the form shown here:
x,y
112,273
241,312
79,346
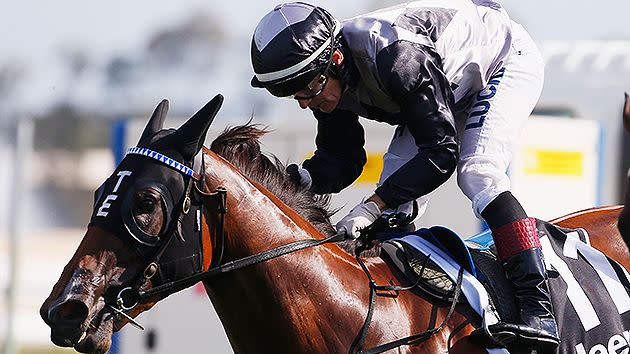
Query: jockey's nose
x,y
303,102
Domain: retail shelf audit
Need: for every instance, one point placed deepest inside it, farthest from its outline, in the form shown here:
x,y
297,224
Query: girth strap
x,y
416,338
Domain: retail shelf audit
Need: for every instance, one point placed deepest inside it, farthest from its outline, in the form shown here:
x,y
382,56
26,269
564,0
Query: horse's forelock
x,y
241,147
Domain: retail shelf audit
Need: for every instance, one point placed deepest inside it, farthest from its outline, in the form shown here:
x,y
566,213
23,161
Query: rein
x,y
184,283
134,295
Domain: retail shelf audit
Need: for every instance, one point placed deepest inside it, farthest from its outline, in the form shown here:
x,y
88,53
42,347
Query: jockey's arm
x,y
413,76
339,158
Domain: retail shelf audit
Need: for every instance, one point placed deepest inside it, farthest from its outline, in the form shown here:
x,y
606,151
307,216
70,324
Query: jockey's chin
x,y
327,106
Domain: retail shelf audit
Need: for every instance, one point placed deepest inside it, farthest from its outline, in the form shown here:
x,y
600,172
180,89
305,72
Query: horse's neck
x,y
267,292
313,300
257,217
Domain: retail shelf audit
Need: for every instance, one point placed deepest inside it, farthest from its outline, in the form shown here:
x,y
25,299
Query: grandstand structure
x,y
588,79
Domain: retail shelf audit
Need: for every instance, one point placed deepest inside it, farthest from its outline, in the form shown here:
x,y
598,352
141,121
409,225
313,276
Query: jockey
x,y
442,72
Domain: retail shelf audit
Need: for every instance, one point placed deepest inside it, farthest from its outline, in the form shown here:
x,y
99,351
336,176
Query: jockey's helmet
x,y
291,45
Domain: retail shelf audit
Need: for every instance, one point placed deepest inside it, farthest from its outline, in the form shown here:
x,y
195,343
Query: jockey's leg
x,y
518,246
494,122
402,148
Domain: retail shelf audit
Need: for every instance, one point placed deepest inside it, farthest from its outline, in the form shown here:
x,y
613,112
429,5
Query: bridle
x,y
130,296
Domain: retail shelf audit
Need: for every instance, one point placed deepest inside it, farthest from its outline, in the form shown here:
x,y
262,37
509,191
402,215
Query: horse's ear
x,y
191,135
156,121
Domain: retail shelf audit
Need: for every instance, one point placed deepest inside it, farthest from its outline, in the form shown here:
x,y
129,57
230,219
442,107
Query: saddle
x,y
477,255
590,292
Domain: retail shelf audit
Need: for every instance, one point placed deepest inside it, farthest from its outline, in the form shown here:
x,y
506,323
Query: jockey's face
x,y
326,101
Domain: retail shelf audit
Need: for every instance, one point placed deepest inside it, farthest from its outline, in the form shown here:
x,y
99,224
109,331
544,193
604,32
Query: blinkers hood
x,y
114,208
163,163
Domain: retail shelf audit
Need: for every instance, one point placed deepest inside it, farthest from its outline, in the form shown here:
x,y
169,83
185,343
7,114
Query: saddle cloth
x,y
590,292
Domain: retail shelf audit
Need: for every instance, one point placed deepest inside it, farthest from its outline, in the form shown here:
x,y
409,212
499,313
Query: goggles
x,y
314,88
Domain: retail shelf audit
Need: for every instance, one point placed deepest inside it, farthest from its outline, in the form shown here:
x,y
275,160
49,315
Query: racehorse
x,y
158,225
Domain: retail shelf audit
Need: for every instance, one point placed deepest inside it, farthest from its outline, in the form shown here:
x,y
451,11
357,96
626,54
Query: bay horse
x,y
158,224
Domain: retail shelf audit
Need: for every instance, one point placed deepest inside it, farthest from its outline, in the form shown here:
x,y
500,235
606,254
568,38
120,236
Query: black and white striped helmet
x,y
291,45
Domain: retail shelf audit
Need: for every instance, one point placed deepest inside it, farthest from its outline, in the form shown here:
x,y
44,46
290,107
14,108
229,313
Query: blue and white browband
x,y
163,159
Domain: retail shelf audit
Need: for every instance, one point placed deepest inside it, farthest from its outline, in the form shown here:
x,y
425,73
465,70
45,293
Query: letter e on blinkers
x,y
102,210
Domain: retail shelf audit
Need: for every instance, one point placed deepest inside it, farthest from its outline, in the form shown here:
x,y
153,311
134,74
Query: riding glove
x,y
300,176
360,217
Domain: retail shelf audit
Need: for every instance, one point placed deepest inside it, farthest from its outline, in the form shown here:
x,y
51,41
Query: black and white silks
x,y
413,65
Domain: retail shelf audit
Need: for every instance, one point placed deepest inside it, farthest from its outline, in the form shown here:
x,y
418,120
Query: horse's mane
x,y
241,147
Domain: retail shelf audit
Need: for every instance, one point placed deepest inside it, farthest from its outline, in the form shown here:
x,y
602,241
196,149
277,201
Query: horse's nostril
x,y
69,313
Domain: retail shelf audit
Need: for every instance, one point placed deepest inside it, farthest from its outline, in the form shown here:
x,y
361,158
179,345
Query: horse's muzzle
x,y
67,321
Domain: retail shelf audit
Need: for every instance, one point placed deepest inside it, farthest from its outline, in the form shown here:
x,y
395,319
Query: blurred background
x,y
79,78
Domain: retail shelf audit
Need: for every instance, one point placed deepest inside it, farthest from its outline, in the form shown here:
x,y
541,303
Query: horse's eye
x,y
146,205
148,211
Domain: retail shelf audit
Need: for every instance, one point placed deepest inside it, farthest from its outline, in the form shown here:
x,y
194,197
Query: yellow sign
x,y
553,162
372,169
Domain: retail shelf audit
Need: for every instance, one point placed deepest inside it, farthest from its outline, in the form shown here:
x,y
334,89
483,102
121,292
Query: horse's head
x,y
135,239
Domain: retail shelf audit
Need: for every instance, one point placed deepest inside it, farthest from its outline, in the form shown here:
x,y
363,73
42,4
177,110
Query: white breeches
x,y
492,125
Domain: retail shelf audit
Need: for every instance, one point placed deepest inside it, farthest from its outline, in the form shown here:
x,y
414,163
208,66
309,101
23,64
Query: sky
x,y
31,26
578,19
33,33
